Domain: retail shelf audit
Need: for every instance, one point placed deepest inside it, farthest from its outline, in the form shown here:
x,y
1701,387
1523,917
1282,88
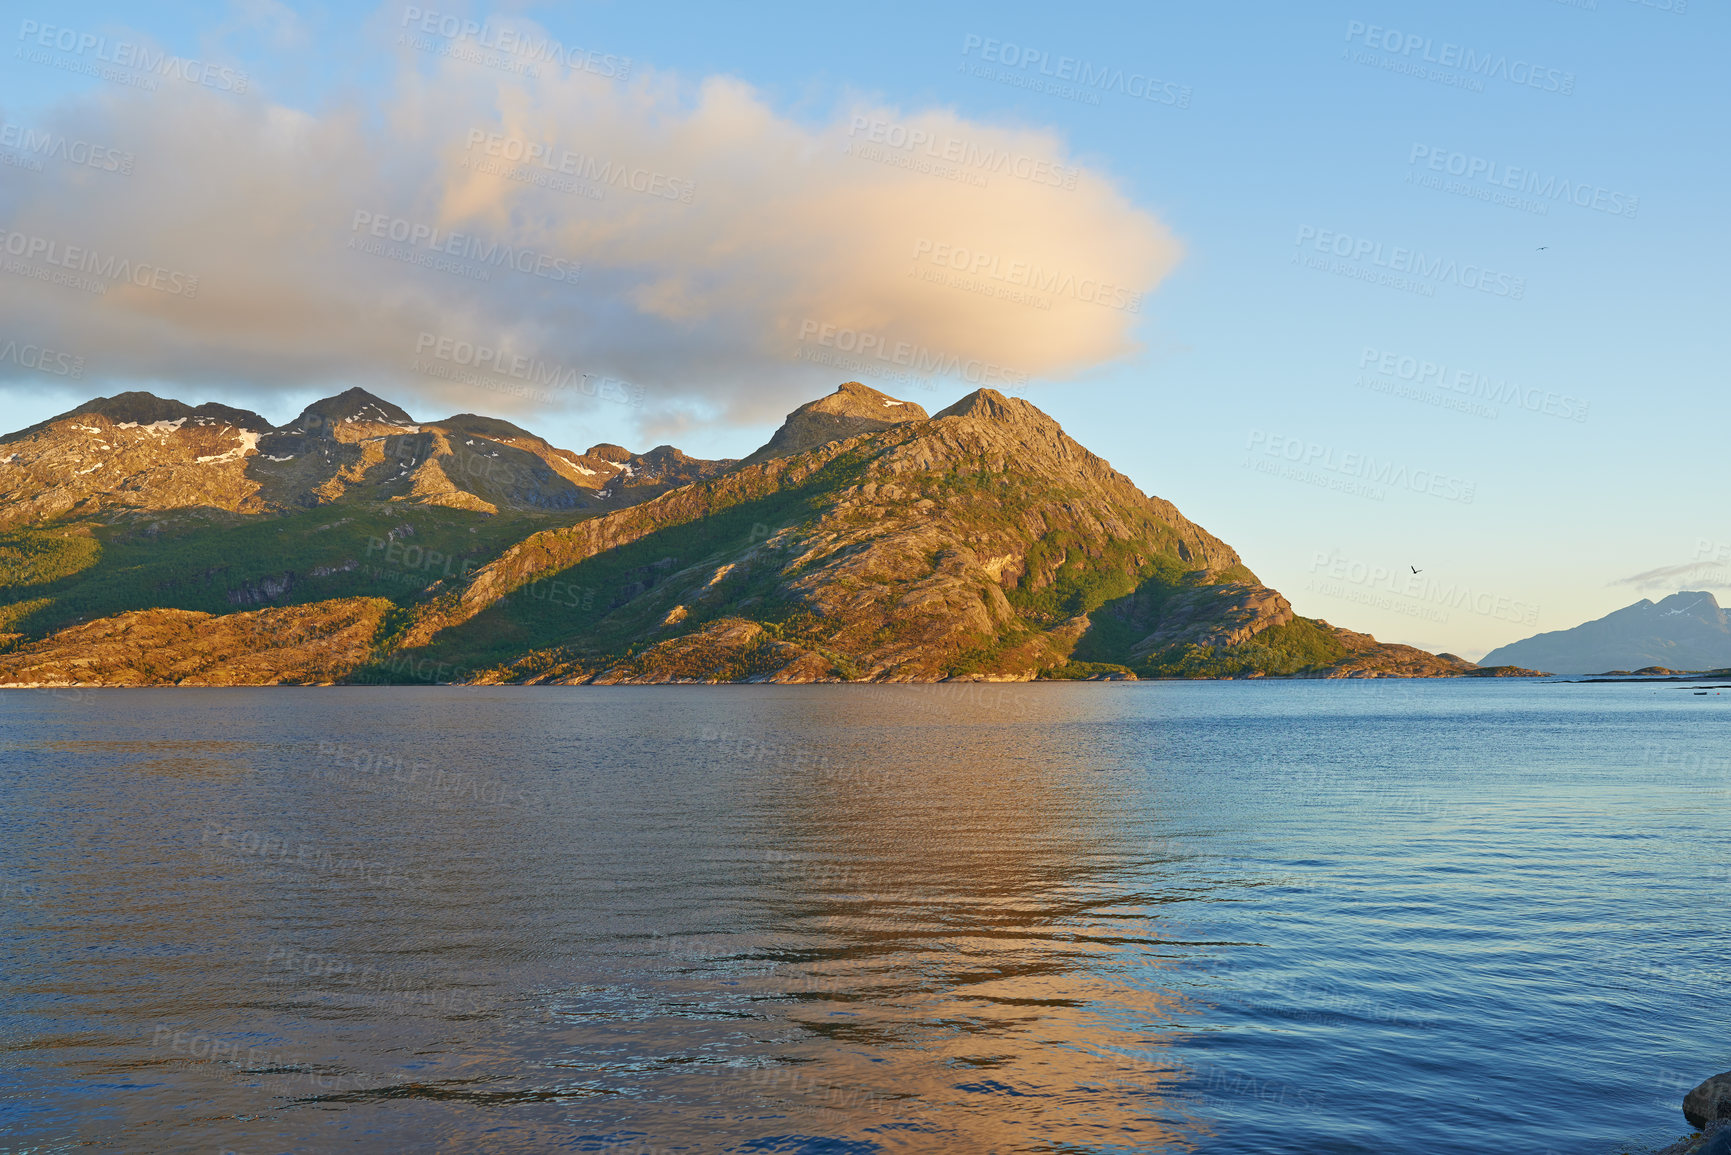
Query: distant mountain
x,y
1686,631
146,542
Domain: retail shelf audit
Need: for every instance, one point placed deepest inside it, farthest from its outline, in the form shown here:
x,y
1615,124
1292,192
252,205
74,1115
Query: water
x,y
1219,917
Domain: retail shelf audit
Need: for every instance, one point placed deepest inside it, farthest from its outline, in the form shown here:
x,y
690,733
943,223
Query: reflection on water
x,y
1295,917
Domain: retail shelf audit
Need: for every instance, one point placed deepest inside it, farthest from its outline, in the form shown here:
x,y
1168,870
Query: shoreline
x,y
698,683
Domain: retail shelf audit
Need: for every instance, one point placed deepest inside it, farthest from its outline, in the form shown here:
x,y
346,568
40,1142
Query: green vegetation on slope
x,y
611,605
1084,575
36,557
1299,645
52,577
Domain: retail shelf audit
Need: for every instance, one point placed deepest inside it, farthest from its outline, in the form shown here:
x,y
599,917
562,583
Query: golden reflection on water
x,y
963,962
924,937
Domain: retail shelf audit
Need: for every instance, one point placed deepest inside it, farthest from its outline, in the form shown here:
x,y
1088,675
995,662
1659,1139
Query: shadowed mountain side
x,y
1194,628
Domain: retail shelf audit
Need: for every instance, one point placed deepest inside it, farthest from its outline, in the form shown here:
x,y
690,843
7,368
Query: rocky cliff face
x,y
866,541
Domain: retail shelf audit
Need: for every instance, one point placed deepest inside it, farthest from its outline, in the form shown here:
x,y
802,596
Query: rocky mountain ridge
x,y
865,541
138,452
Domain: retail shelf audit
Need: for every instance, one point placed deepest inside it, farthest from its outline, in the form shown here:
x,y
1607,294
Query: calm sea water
x,y
1217,917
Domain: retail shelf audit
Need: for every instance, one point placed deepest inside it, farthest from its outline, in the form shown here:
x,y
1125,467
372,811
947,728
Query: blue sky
x,y
1527,414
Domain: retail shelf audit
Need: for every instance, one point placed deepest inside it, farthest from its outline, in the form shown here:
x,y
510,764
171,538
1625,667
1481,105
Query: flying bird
x,y
1541,248
1414,569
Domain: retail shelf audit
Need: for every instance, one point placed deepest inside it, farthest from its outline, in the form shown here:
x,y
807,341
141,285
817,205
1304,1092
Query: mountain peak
x,y
851,410
991,405
860,400
1684,600
140,408
492,428
136,406
350,407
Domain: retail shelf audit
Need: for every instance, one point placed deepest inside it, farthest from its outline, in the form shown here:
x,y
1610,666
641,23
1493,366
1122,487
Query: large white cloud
x,y
750,240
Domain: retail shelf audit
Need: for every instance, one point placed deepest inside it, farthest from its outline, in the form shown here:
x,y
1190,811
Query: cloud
x,y
1695,575
691,240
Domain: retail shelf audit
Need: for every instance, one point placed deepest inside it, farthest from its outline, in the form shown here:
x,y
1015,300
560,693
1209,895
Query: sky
x,y
1419,306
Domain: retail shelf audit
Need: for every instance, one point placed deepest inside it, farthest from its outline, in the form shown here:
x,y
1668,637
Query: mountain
x,y
1686,631
139,453
851,410
865,541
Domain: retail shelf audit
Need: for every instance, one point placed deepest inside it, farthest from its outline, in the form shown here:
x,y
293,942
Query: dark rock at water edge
x,y
1707,1108
1715,1140
1709,1101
